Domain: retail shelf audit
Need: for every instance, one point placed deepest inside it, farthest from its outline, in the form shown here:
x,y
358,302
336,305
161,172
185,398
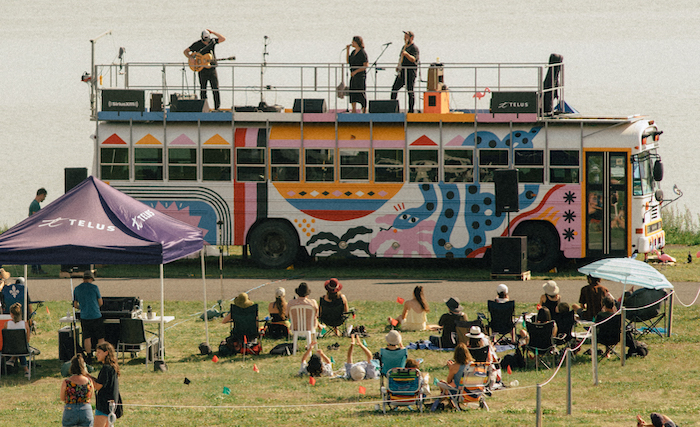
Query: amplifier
x,y
513,102
123,100
384,106
310,106
509,255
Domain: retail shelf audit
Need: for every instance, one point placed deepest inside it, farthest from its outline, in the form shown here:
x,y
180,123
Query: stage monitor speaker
x,y
73,177
156,102
310,106
65,343
509,255
384,106
123,100
506,181
190,106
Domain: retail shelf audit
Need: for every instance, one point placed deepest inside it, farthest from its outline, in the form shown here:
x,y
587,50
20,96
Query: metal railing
x,y
469,85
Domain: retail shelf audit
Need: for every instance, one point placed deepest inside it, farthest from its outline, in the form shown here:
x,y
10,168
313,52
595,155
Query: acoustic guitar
x,y
200,61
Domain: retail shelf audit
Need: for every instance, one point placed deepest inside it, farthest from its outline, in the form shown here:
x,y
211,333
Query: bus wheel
x,y
273,244
543,252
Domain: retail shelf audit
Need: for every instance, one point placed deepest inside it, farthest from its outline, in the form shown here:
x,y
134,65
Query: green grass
x,y
682,228
667,380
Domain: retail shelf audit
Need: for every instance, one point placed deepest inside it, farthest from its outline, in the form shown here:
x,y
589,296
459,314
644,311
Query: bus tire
x,y
273,244
543,252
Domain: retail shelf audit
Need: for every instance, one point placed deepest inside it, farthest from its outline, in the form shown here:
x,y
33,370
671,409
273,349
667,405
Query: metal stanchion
x,y
594,354
623,337
538,419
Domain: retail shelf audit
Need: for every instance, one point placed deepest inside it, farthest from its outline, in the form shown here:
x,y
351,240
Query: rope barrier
x,y
688,305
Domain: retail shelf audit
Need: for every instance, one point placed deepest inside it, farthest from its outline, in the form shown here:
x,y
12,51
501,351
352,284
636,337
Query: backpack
x,y
514,360
284,349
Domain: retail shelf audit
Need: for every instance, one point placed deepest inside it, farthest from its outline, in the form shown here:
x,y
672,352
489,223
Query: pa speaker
x,y
506,181
384,106
65,343
310,106
509,255
190,106
73,177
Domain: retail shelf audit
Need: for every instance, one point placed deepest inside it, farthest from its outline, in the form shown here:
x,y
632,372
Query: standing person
x,y
207,74
34,207
591,298
106,384
76,392
358,72
88,299
18,323
407,69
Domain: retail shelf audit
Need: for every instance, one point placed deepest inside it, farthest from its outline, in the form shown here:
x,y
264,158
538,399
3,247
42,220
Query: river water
x,y
622,58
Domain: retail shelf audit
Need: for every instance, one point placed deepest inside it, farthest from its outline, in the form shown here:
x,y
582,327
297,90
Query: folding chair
x,y
471,386
132,338
480,354
332,314
14,344
462,328
565,327
303,324
244,327
391,359
404,388
608,334
541,343
641,309
501,322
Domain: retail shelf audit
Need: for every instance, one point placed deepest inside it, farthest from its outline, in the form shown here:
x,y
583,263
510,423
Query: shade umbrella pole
x,y
26,301
204,287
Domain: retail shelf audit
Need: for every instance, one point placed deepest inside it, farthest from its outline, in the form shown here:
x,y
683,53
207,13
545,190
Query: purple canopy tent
x,y
96,224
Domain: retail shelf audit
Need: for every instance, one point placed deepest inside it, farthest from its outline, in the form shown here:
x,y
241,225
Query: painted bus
x,y
316,180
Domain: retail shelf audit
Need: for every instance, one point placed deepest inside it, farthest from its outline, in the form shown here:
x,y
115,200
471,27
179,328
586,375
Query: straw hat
x,y
280,292
333,285
393,337
550,288
242,301
502,289
475,332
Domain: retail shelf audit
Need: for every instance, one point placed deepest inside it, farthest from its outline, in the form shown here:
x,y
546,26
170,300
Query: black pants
x,y
407,77
209,75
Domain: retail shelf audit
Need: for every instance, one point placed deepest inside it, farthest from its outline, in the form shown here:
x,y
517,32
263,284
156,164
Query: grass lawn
x,y
666,381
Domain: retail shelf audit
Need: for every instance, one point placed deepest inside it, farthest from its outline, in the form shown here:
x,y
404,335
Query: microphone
x,y
386,44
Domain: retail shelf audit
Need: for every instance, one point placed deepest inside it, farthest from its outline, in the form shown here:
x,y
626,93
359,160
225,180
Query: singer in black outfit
x,y
207,74
358,73
407,69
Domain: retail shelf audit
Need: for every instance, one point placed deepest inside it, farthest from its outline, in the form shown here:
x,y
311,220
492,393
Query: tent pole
x,y
26,301
72,323
162,314
204,286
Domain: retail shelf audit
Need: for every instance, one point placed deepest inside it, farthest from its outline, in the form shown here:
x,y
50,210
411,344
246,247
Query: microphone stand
x,y
374,65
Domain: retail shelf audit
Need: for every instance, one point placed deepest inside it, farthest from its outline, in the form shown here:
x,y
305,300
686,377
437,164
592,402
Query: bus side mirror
x,y
659,195
658,170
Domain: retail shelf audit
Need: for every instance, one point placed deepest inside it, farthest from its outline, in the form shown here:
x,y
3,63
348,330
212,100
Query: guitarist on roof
x,y
208,73
407,69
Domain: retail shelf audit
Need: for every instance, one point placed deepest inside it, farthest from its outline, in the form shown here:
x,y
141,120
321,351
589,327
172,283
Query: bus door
x,y
607,209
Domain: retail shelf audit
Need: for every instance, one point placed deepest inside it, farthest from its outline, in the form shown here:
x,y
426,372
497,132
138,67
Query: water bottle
x,y
150,312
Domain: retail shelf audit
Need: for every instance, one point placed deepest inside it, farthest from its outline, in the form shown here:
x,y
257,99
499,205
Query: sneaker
x,y
482,404
26,374
10,363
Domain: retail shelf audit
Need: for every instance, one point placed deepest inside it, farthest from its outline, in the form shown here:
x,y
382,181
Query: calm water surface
x,y
622,58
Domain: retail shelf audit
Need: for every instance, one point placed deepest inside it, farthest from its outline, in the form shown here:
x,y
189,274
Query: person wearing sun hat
x,y
502,292
241,301
448,322
302,298
551,297
331,304
364,370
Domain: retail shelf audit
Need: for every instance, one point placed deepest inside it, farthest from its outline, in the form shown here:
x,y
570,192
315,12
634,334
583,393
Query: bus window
x,y
459,165
490,160
530,165
148,164
642,175
388,166
563,166
250,164
182,164
424,165
320,165
354,165
284,164
114,163
216,164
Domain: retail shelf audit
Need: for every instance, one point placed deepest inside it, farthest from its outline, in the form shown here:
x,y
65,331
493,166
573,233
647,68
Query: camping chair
x,y
472,383
244,327
276,330
608,334
650,315
501,323
462,328
390,359
565,327
404,388
332,315
132,338
480,354
14,344
541,343
303,324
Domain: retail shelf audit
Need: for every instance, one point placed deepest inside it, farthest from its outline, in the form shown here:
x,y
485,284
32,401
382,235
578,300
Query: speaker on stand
x,y
73,177
506,181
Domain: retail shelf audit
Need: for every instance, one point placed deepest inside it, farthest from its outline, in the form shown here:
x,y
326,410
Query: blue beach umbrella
x,y
627,271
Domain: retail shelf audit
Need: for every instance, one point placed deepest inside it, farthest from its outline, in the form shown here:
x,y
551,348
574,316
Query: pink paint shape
x,y
457,141
182,140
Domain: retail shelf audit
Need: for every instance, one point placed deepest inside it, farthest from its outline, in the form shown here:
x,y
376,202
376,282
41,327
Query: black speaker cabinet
x,y
384,106
73,177
513,102
123,100
506,181
310,106
65,343
509,255
190,106
112,331
156,102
